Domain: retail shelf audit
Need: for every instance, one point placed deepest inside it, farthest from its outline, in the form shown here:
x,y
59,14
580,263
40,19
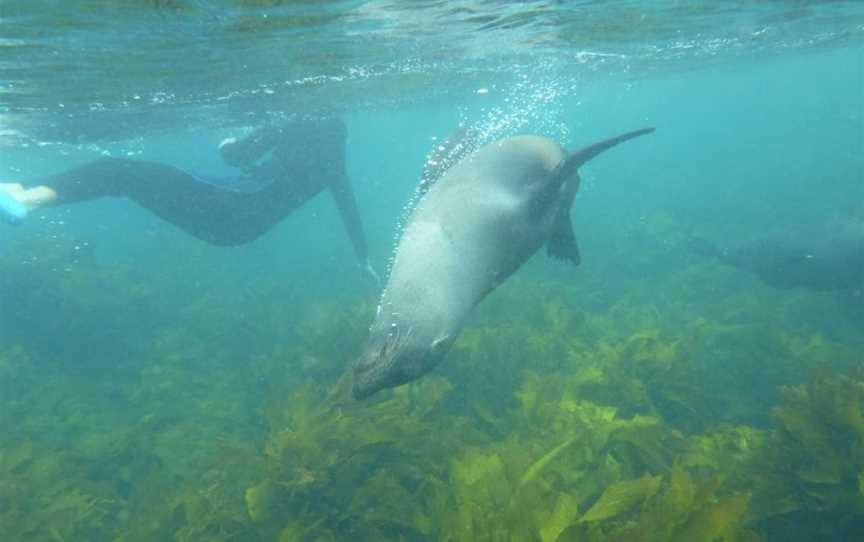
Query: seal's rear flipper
x,y
562,243
12,211
578,158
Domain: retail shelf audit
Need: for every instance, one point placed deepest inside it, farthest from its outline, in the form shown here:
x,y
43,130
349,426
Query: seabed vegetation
x,y
696,405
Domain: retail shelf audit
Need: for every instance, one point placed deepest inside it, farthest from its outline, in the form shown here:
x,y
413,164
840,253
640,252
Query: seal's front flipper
x,y
562,243
12,211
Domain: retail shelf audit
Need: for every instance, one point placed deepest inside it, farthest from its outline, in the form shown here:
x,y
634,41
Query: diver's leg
x,y
92,180
103,177
117,177
202,209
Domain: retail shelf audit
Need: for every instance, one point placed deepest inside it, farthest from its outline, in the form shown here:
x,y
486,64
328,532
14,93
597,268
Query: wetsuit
x,y
283,167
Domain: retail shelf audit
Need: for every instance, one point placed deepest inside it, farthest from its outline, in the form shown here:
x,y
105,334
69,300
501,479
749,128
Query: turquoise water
x,y
153,387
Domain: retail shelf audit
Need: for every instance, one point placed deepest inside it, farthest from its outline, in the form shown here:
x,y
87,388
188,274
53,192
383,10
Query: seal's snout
x,y
395,359
363,385
371,374
380,369
361,392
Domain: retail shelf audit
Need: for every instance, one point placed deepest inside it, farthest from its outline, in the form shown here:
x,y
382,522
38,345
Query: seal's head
x,y
396,355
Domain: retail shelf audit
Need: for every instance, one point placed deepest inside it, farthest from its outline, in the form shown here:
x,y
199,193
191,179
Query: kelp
x,y
109,457
330,459
645,373
493,504
62,510
591,452
620,498
804,473
562,453
819,446
337,468
568,410
682,511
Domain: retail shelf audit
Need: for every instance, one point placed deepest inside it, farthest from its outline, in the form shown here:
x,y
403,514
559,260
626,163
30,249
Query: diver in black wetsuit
x,y
283,166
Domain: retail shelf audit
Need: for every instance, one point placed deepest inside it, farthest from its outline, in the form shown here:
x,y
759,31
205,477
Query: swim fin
x,y
12,211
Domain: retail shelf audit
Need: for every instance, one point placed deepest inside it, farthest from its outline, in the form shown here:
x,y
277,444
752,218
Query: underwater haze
x,y
696,378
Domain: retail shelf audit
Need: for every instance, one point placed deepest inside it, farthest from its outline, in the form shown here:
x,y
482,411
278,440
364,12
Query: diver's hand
x,y
369,271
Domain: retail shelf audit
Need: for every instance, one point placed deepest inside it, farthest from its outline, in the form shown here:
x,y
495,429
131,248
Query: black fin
x,y
562,243
583,155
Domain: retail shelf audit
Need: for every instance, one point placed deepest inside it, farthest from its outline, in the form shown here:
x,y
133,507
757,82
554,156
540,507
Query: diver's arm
x,y
343,195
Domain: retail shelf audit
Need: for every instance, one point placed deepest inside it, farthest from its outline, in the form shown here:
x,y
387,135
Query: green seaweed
x,y
564,412
325,450
821,433
655,508
621,497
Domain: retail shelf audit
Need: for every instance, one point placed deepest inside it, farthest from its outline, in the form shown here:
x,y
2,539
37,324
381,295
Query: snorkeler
x,y
281,167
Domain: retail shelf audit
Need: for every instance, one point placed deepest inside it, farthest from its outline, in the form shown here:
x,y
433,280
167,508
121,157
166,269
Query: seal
x,y
473,227
822,256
